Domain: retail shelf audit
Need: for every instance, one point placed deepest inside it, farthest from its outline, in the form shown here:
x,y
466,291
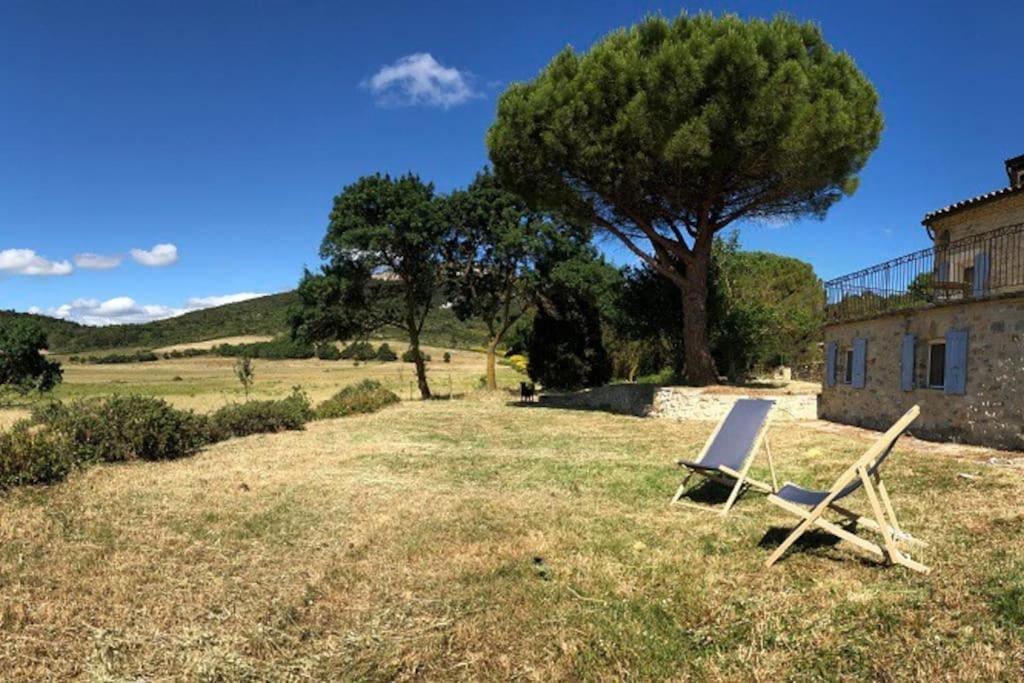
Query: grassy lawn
x,y
473,539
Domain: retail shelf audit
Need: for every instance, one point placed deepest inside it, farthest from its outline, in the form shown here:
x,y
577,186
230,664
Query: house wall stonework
x,y
990,413
979,219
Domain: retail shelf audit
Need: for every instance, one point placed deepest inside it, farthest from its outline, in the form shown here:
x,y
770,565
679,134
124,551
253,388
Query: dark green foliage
x,y
118,358
121,428
328,352
409,356
23,367
281,347
359,350
185,353
566,350
447,357
33,455
383,252
386,354
368,396
766,310
258,417
575,292
665,133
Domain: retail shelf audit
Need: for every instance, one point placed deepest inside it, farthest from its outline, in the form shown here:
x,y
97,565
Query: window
x,y
937,365
848,367
969,275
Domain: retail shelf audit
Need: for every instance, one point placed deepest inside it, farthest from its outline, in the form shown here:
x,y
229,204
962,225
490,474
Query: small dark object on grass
x,y
527,392
177,378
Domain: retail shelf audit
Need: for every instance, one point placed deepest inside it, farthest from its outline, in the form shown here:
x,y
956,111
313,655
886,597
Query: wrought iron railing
x,y
977,267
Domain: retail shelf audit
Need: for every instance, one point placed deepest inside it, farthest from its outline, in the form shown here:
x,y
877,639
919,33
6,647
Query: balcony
x,y
978,267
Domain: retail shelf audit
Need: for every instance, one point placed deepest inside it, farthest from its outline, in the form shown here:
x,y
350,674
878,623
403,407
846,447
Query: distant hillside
x,y
267,315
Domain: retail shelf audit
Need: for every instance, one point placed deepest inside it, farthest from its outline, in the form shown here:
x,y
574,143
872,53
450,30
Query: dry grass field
x,y
475,539
205,383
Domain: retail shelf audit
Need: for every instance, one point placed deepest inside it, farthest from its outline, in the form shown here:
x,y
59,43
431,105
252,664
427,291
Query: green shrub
x,y
368,396
280,348
359,350
118,358
328,352
259,417
408,356
447,357
33,454
386,354
123,428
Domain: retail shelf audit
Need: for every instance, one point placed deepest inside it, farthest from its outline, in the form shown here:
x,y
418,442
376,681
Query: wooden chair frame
x,y
728,476
883,516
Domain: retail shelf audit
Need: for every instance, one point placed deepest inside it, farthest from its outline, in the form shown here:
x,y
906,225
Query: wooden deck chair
x,y
730,450
864,473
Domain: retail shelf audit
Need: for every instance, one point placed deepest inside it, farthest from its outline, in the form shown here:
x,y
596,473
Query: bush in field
x,y
409,356
447,357
118,358
359,350
31,454
245,371
328,352
517,362
280,348
123,428
386,354
258,417
368,396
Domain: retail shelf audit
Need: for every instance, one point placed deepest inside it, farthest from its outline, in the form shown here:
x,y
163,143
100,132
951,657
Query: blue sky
x,y
211,137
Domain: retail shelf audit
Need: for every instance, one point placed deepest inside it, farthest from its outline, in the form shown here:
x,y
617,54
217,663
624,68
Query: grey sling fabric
x,y
810,497
735,440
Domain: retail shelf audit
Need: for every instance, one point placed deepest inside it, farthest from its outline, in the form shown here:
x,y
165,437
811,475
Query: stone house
x,y
942,328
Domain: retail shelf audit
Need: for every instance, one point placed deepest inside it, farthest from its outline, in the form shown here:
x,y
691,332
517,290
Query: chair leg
x,y
799,531
682,488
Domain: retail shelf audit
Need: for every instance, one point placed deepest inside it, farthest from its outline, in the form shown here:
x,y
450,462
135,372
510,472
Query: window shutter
x,y
831,355
956,362
944,271
982,266
907,362
860,362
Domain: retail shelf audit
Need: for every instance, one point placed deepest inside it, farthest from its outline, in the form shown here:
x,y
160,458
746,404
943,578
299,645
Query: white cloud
x,y
160,255
124,309
90,261
420,79
28,262
198,302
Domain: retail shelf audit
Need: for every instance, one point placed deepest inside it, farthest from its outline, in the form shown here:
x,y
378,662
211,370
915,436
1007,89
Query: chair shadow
x,y
811,539
708,493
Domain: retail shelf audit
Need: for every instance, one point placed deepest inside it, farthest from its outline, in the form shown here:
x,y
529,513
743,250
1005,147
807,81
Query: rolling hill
x,y
267,315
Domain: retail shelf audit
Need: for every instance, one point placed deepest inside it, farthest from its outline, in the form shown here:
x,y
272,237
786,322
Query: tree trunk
x,y
700,366
492,353
421,366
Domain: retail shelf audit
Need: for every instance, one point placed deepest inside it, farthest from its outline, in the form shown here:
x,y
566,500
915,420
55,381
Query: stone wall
x,y
1008,210
678,403
991,413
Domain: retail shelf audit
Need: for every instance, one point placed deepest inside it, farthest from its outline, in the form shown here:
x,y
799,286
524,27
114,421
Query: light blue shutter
x,y
982,266
860,362
944,271
956,362
831,355
907,362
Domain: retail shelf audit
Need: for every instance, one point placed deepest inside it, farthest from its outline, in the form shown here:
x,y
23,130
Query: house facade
x,y
942,328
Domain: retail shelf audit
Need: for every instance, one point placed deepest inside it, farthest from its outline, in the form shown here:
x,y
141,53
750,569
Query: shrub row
x,y
59,437
279,348
115,358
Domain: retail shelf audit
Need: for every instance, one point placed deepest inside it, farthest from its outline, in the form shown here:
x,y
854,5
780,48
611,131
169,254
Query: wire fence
x,y
976,267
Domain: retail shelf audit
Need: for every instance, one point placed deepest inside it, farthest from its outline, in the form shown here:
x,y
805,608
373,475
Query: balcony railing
x,y
978,267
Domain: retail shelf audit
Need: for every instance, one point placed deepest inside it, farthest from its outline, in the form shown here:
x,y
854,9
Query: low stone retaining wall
x,y
678,403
